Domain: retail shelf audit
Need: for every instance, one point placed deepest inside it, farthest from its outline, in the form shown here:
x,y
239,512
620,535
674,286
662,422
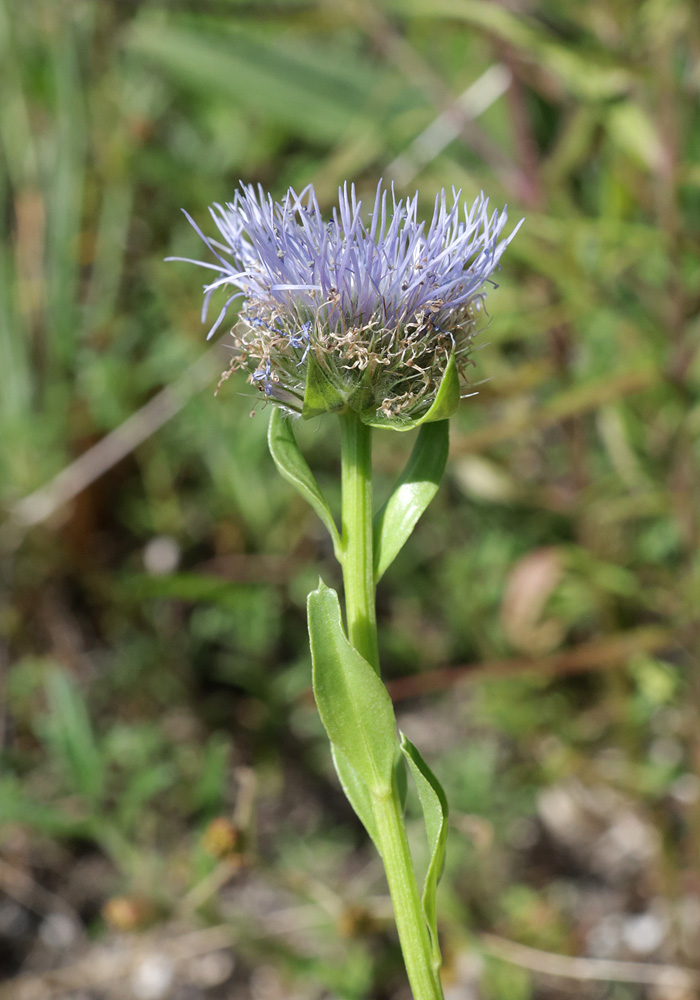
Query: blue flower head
x,y
348,313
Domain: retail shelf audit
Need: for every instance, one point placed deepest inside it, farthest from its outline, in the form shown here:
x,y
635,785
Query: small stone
x,y
266,984
211,970
626,847
604,938
686,789
58,931
666,752
152,977
161,555
644,933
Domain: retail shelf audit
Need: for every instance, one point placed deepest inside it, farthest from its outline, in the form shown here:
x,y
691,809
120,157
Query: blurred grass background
x,y
169,823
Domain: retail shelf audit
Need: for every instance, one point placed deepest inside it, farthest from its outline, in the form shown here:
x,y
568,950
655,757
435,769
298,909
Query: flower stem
x,y
358,577
358,561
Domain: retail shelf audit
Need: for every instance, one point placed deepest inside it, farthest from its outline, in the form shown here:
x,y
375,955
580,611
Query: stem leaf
x,y
295,469
354,705
357,793
435,814
419,482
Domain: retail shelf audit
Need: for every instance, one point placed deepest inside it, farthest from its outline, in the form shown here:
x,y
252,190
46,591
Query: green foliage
x,y
352,701
105,783
70,740
357,793
295,469
435,814
417,485
506,982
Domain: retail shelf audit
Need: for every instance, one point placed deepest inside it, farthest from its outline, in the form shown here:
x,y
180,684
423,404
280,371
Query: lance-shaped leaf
x,y
356,792
415,489
354,705
443,407
295,469
435,813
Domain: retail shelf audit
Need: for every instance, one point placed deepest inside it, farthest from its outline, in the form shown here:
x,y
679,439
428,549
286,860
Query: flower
x,y
347,314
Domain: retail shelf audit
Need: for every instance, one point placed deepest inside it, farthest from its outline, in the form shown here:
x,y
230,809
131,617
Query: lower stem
x,y
358,578
408,912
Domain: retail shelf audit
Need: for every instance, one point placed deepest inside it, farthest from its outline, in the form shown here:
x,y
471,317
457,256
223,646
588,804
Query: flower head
x,y
352,314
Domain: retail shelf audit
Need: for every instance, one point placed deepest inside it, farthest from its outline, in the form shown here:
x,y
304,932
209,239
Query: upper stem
x,y
358,555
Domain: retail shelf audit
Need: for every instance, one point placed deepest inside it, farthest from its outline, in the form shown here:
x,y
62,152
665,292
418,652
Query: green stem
x,y
358,577
356,514
423,976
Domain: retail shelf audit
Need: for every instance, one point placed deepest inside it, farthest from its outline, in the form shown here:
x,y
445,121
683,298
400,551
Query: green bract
x,y
326,393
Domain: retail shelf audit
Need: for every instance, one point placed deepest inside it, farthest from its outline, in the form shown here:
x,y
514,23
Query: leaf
x,y
55,820
144,785
585,73
419,482
359,795
70,736
633,130
356,792
354,705
198,588
315,90
320,395
444,405
295,469
435,813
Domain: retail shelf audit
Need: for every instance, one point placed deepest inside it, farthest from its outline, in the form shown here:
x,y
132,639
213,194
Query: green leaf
x,y
356,792
419,483
585,74
320,395
197,588
435,813
633,130
444,405
55,820
354,705
143,786
295,469
313,89
70,737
